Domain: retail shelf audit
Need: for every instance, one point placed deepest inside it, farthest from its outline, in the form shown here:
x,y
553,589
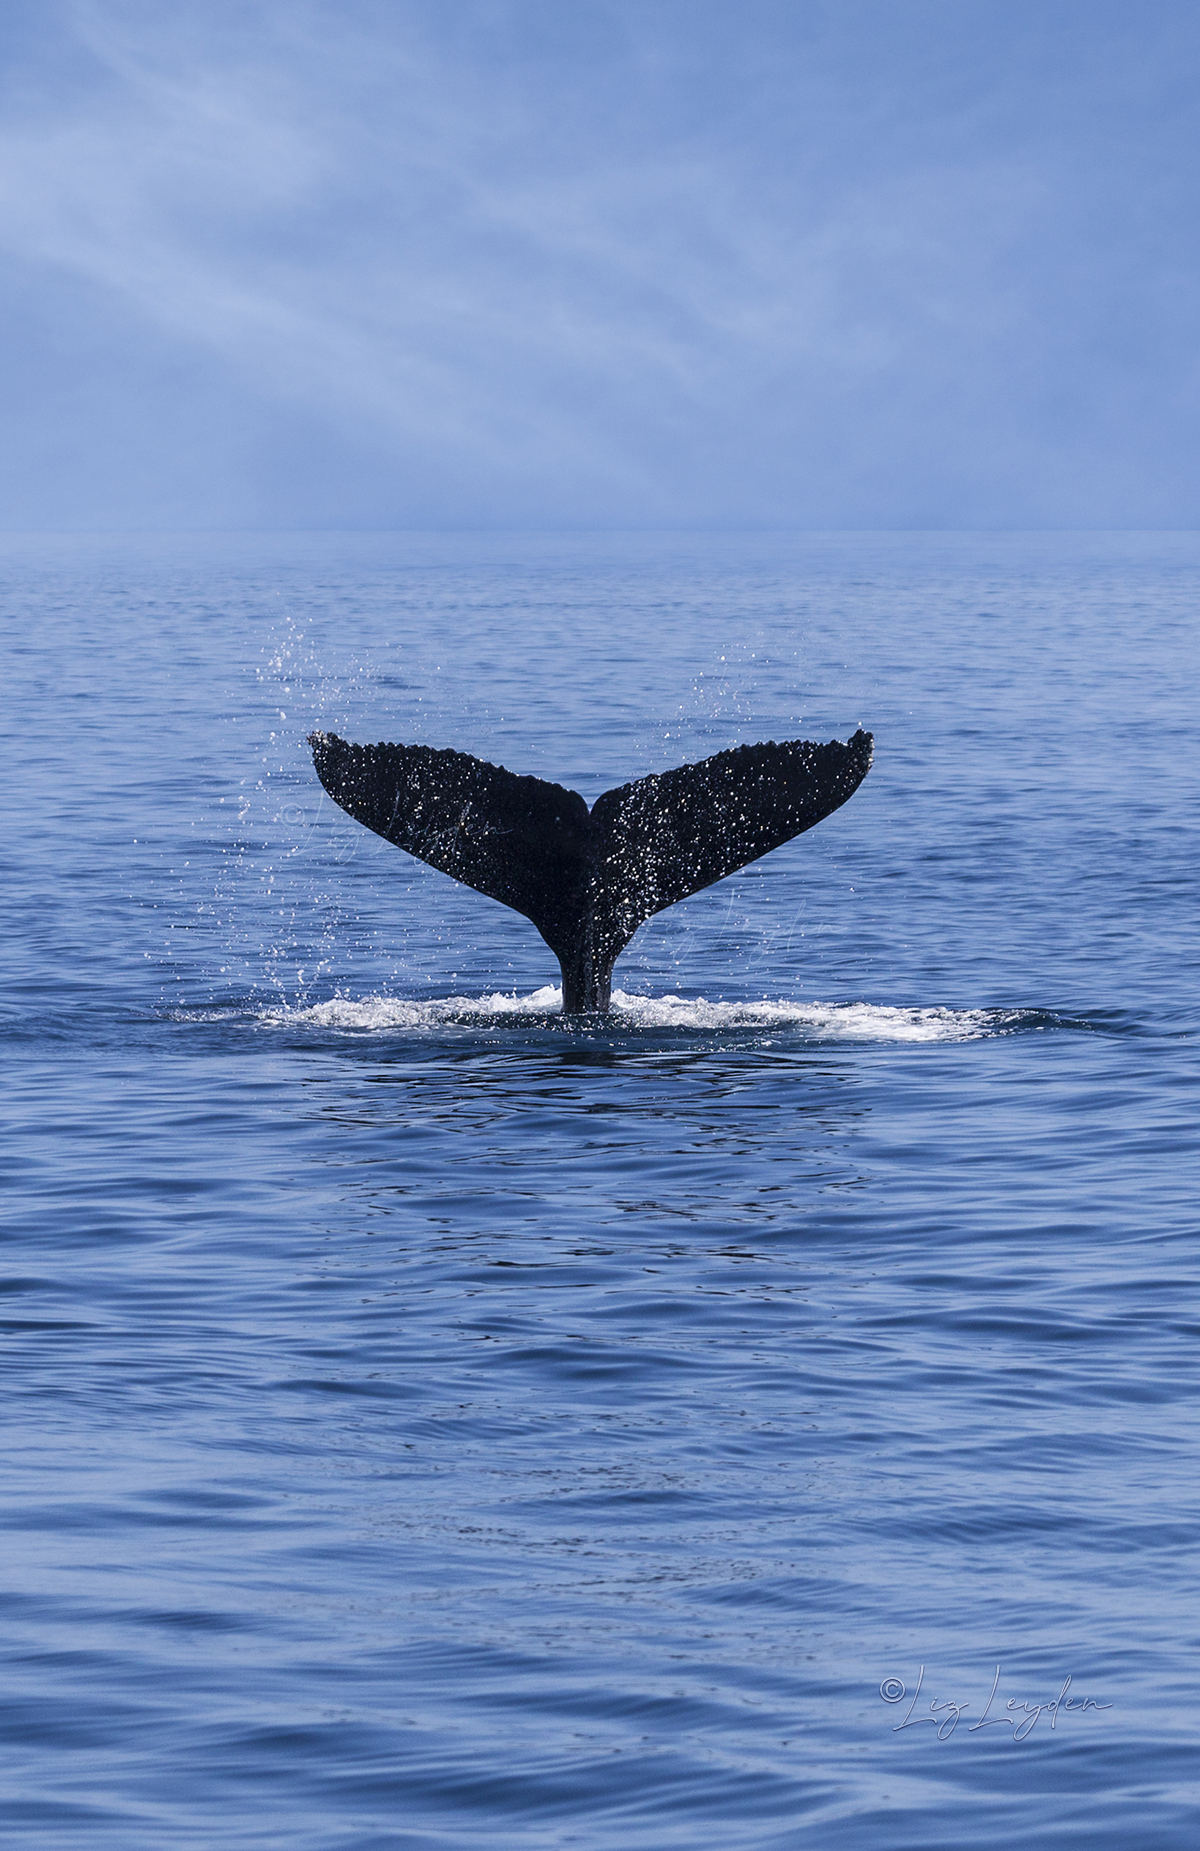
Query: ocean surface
x,y
432,1423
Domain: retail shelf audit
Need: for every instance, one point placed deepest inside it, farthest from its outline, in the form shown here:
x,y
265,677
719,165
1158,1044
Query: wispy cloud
x,y
562,274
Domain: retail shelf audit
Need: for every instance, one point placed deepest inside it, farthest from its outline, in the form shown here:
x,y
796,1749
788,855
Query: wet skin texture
x,y
589,878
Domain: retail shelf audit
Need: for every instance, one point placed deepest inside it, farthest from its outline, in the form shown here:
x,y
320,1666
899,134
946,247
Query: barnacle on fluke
x,y
589,878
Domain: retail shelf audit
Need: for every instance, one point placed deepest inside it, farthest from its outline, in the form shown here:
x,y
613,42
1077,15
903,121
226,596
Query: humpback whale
x,y
589,878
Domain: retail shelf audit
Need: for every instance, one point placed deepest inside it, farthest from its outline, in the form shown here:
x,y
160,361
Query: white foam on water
x,y
849,1021
829,1021
376,1012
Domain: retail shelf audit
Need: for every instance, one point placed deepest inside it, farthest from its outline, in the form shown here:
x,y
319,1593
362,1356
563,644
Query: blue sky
x,y
862,264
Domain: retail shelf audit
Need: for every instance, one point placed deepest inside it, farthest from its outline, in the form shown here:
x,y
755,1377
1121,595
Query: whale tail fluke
x,y
589,879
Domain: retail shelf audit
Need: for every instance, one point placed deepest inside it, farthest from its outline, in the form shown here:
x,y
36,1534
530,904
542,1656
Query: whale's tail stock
x,y
589,878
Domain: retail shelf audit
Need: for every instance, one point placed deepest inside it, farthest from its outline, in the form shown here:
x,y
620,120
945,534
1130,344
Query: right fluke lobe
x,y
587,880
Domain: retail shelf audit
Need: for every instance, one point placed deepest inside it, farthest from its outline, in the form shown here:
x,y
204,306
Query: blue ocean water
x,y
429,1423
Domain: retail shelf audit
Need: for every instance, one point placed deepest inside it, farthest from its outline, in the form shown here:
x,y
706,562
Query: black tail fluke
x,y
588,880
523,842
